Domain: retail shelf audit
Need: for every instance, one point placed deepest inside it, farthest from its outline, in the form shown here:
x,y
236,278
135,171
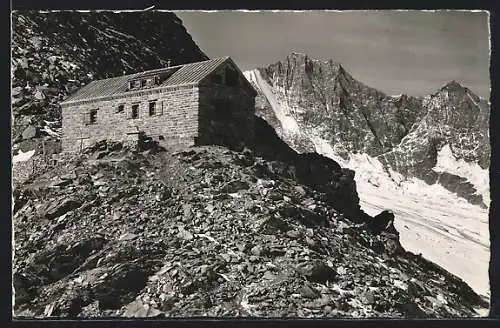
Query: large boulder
x,y
317,271
30,132
382,222
59,207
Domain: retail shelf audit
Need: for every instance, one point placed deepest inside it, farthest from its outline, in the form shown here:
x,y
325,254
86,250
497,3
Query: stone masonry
x,y
175,118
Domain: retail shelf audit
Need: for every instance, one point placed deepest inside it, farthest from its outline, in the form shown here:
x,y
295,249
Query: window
x,y
120,108
135,84
90,117
135,111
93,116
152,108
150,82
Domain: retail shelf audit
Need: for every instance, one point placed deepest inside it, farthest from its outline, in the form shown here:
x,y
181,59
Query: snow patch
x,y
22,157
50,132
472,99
250,76
324,148
288,123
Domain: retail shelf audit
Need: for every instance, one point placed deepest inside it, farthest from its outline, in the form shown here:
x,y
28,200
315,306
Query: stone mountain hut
x,y
208,102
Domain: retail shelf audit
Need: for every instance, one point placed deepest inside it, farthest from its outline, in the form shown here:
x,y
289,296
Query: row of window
x,y
153,110
150,81
144,83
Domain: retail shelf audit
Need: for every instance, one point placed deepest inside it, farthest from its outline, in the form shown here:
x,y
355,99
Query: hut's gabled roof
x,y
188,74
195,72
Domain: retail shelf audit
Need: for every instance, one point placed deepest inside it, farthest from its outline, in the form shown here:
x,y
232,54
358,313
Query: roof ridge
x,y
163,68
180,75
204,61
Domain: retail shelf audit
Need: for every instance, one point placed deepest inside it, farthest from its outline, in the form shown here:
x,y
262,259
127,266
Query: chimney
x,y
169,62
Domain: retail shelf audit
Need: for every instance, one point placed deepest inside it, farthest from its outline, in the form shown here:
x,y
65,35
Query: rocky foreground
x,y
209,232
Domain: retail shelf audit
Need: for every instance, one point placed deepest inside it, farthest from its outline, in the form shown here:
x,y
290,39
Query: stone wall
x,y
175,121
226,114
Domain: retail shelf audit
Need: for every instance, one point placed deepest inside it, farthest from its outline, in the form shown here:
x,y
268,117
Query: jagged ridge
x,y
405,133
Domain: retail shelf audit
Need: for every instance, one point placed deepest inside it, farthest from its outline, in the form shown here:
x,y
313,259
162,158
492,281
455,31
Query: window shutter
x,y
129,113
160,107
86,118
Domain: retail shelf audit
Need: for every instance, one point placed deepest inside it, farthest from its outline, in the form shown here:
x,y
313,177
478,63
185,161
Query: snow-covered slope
x,y
281,110
431,220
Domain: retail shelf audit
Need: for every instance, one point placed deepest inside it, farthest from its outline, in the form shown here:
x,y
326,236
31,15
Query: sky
x,y
412,52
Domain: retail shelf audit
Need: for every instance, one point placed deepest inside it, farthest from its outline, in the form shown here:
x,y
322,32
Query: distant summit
x,y
453,85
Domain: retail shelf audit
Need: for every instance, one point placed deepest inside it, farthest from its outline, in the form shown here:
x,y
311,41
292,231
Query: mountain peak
x,y
303,58
453,85
297,56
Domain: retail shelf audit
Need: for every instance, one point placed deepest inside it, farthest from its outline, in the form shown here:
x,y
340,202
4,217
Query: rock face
x,y
319,100
311,169
323,92
56,53
212,232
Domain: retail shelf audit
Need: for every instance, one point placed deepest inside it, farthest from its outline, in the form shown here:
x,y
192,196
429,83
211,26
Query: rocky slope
x,y
214,232
55,53
322,103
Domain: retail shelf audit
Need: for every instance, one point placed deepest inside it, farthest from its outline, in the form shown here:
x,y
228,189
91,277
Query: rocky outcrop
x,y
211,232
311,169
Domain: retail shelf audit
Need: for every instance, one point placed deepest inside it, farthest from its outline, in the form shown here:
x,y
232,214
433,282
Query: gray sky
x,y
396,52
